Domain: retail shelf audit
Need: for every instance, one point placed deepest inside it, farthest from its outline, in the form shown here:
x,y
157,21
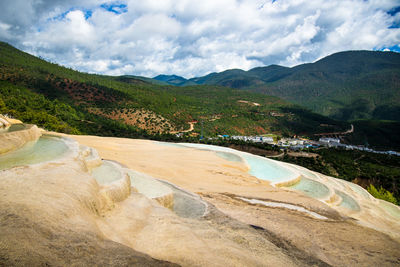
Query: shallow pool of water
x,y
358,189
222,152
186,205
311,188
390,208
347,201
147,185
260,167
47,148
171,144
107,172
308,173
267,169
229,156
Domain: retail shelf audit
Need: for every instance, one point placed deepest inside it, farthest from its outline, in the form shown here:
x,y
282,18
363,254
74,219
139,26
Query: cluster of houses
x,y
335,142
254,139
300,143
296,143
291,143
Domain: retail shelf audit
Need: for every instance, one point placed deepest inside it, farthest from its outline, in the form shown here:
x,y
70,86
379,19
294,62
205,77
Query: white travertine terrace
x,y
77,196
62,197
141,183
352,200
347,198
152,188
12,140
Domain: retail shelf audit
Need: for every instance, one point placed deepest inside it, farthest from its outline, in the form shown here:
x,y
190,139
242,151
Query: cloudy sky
x,y
193,38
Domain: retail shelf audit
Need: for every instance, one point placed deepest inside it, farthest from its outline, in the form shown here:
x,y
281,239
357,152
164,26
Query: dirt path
x,y
351,130
191,128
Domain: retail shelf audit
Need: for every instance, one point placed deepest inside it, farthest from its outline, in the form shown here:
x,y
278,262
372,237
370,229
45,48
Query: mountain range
x,y
346,86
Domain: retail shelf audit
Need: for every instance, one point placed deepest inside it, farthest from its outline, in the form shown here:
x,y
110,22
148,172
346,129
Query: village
x,y
303,143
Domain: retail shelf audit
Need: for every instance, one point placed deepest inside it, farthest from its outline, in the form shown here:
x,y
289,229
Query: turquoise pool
x,y
267,169
107,172
47,148
311,188
390,208
358,189
229,156
260,167
347,201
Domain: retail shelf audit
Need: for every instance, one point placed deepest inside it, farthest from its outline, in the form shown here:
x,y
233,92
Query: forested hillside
x,y
66,100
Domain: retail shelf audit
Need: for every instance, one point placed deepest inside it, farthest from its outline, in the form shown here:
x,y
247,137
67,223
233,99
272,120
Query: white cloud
x,y
192,38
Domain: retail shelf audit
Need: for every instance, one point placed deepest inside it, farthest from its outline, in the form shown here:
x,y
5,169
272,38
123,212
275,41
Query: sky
x,y
193,38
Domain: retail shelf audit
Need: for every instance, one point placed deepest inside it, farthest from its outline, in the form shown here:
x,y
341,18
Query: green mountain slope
x,y
349,85
346,86
76,102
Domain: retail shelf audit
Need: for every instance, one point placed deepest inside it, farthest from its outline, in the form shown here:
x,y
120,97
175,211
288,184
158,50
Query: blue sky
x,y
194,38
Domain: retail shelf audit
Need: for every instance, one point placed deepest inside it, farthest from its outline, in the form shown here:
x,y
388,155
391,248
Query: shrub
x,y
381,194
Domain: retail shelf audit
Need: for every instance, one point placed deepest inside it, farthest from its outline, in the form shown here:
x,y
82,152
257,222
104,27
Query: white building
x,y
328,140
255,139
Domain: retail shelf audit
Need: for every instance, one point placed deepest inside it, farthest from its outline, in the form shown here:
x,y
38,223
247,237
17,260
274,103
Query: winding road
x,y
191,128
351,130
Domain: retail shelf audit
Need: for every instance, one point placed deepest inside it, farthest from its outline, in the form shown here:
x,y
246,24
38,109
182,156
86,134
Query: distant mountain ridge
x,y
346,85
172,79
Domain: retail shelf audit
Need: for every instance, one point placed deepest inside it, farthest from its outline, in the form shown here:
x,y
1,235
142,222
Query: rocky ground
x,y
337,241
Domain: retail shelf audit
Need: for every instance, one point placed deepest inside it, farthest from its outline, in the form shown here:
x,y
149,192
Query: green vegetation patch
x,y
382,194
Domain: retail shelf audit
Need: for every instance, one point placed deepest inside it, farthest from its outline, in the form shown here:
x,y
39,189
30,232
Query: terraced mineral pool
x,y
229,156
260,167
358,189
107,172
267,169
47,148
147,185
172,144
185,204
347,201
308,173
222,154
390,208
311,188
